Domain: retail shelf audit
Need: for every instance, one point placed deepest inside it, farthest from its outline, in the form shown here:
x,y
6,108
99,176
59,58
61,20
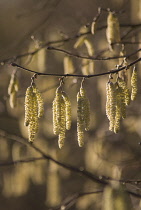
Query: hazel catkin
x,y
12,90
134,84
33,110
61,115
83,115
113,29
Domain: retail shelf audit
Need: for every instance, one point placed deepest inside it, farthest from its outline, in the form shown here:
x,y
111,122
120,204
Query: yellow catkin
x,y
111,104
115,198
80,40
12,90
93,27
57,110
113,29
31,112
61,115
68,65
33,124
126,91
39,101
108,100
55,123
13,99
85,109
28,105
89,47
62,125
87,67
134,84
83,115
67,109
118,110
112,91
80,120
122,103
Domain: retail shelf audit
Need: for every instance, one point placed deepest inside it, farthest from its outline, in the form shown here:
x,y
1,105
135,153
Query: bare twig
x,y
71,200
93,57
102,180
112,71
50,43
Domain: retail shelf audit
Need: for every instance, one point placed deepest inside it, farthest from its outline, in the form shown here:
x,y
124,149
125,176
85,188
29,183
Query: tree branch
x,y
102,180
95,58
50,43
71,200
112,71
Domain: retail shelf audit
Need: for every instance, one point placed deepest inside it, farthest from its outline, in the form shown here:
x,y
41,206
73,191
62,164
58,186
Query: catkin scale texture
x,y
67,110
134,84
33,110
83,115
111,104
61,115
115,104
80,120
126,91
39,101
62,125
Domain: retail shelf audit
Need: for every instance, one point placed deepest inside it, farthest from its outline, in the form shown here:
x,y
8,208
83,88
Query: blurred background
x,y
24,26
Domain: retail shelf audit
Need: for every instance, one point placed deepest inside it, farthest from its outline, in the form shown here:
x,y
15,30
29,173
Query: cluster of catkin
x,y
12,90
118,97
61,115
33,110
83,115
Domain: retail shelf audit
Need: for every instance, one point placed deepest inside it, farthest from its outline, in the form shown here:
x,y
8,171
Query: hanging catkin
x,y
119,108
61,115
33,110
111,104
80,40
126,90
39,101
115,197
83,115
134,84
93,27
12,90
68,65
89,47
67,110
113,29
115,104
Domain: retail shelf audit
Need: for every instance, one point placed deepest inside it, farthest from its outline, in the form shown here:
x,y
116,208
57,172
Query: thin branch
x,y
81,171
28,160
71,200
50,43
92,57
112,71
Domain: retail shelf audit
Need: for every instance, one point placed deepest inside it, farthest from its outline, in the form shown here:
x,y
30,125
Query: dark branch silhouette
x,y
112,71
102,180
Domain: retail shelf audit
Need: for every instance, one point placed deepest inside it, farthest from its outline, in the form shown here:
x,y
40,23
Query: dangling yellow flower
x,y
83,115
12,90
61,115
33,110
134,84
